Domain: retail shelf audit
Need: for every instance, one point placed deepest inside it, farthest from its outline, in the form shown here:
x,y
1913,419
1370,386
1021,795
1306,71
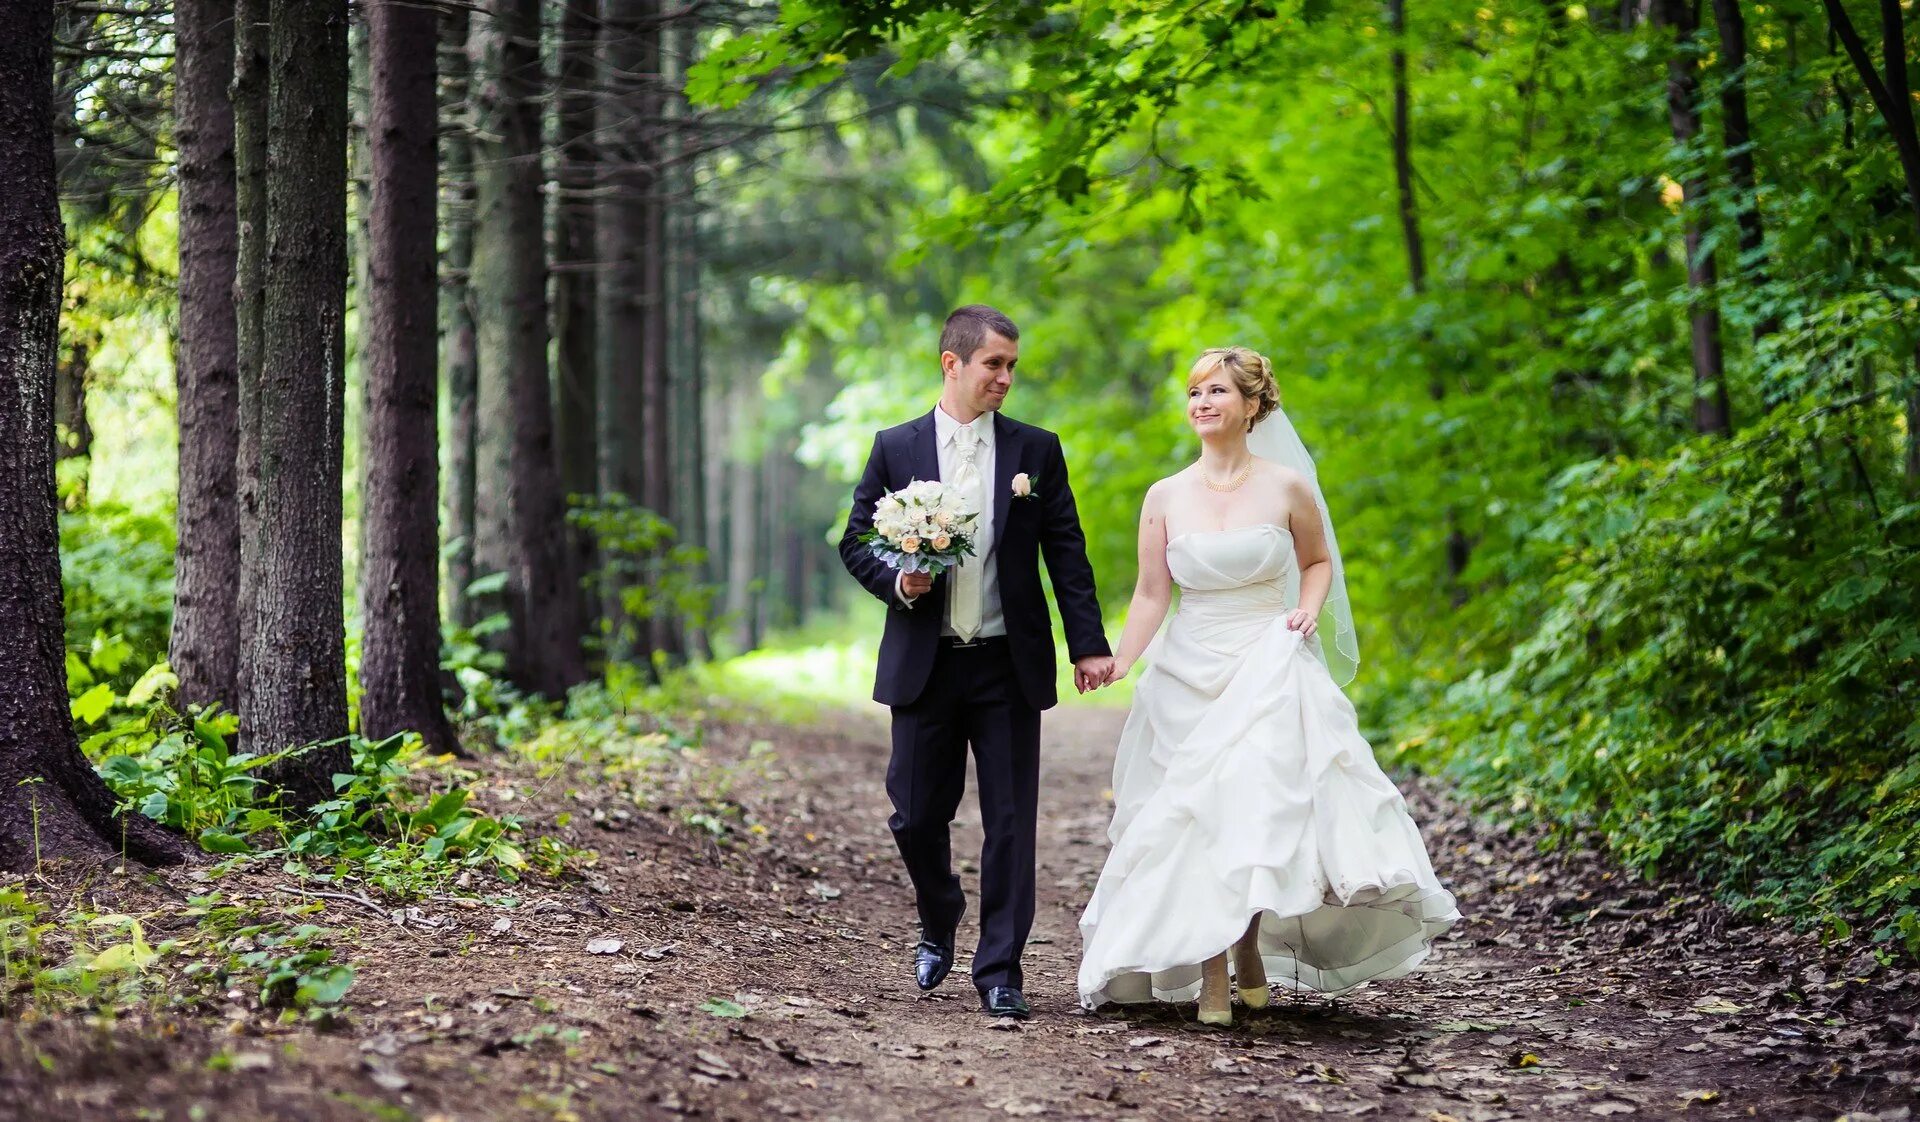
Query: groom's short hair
x,y
967,328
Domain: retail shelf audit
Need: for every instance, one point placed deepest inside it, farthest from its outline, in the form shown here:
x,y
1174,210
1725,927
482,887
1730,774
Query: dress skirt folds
x,y
1243,787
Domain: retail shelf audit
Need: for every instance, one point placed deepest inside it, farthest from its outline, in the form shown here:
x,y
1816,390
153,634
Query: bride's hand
x,y
1118,671
1302,621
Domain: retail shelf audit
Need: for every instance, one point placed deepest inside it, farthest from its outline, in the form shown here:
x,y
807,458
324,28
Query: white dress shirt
x,y
993,620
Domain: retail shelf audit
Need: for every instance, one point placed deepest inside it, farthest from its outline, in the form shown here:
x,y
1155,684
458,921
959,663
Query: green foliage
x,y
656,575
1695,648
1719,672
117,573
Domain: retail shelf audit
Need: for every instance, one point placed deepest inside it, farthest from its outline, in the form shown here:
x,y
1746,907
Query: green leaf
x,y
89,707
217,841
721,1007
324,987
158,677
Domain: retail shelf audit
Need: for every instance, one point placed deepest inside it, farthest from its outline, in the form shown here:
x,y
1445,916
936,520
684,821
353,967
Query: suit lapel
x,y
1006,461
925,451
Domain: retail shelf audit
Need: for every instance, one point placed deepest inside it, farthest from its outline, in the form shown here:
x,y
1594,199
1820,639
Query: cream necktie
x,y
963,605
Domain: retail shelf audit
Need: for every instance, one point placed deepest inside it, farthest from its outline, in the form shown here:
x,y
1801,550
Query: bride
x,y
1255,840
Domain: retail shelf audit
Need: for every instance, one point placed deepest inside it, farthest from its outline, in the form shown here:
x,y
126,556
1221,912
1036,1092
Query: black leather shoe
x,y
1004,1001
931,961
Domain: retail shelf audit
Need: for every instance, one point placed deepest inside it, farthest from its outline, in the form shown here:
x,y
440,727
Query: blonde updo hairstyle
x,y
1249,371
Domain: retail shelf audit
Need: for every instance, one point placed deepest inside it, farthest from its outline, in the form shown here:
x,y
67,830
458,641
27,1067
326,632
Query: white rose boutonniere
x,y
1023,487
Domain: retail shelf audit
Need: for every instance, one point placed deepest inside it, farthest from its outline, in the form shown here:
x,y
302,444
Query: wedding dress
x,y
1242,786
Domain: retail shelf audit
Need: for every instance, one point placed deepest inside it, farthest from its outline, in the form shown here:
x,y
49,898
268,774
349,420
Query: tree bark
x,y
205,646
1458,550
1737,141
1891,96
71,379
1403,148
743,523
250,82
1711,412
399,570
296,694
521,514
630,50
52,803
459,354
574,304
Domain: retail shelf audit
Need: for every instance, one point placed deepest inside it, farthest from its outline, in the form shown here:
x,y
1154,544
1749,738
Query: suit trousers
x,y
971,699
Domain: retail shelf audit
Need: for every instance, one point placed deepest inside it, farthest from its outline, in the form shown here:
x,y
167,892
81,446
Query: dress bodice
x,y
1246,569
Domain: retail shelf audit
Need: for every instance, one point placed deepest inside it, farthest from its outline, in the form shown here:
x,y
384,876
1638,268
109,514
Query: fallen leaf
x,y
605,944
1716,1005
1523,1059
1692,1097
721,1007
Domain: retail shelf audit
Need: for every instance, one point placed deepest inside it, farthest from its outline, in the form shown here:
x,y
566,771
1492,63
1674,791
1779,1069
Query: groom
x,y
968,658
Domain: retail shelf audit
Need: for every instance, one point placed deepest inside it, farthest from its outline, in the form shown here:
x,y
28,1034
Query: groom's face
x,y
982,381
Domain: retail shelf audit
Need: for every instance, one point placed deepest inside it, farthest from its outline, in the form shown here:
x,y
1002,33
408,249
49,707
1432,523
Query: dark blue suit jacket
x,y
1024,529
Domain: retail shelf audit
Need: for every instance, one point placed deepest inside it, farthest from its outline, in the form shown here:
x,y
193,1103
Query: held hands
x,y
1302,621
1092,672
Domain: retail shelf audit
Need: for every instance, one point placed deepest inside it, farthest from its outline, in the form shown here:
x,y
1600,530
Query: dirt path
x,y
1568,993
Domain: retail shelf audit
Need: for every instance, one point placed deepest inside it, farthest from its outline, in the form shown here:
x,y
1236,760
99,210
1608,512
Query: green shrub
x,y
116,565
1719,674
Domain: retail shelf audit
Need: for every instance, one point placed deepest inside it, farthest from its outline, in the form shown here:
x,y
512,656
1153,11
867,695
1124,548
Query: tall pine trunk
x,y
1711,412
1458,549
1737,141
628,176
399,570
574,248
521,514
205,646
1892,97
459,356
296,694
250,81
52,803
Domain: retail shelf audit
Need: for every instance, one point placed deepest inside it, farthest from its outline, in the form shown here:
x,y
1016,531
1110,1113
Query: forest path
x,y
1569,991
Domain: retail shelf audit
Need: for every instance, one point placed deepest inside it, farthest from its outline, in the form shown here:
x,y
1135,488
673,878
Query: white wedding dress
x,y
1242,786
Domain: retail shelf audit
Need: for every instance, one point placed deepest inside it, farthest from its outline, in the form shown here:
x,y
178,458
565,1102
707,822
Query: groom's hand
x,y
915,585
1090,673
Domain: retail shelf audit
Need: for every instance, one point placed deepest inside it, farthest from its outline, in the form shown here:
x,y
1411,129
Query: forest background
x,y
1603,324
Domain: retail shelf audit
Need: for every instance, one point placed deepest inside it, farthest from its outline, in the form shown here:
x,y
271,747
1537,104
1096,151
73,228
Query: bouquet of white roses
x,y
925,527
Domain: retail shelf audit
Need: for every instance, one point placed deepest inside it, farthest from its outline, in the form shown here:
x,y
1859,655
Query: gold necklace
x,y
1238,479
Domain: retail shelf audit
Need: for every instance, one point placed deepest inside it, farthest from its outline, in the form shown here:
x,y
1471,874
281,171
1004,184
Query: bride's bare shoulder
x,y
1282,477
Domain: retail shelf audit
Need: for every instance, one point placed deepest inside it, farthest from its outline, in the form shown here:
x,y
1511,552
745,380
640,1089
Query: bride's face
x,y
1215,405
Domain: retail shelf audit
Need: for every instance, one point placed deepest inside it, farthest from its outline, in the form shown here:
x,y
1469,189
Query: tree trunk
x,y
683,337
1403,148
521,513
250,81
52,803
1737,141
624,222
205,646
74,431
459,352
1711,413
743,522
399,569
1890,95
296,694
574,247
1458,551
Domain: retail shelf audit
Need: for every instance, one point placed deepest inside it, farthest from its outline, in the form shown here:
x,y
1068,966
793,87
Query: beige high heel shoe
x,y
1216,1001
1249,973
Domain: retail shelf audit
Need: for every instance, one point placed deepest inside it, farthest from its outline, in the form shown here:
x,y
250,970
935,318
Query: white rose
x,y
1022,486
